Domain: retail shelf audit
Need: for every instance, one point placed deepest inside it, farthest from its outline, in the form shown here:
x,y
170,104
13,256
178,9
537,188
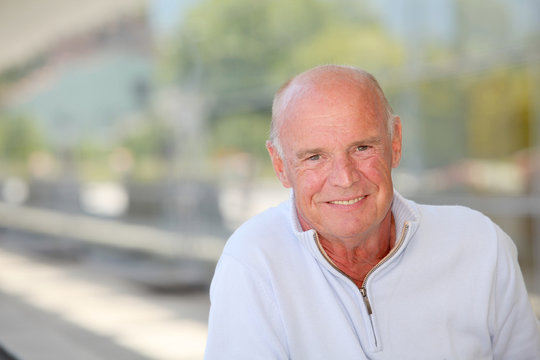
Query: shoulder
x,y
440,218
257,250
463,240
459,226
262,233
454,218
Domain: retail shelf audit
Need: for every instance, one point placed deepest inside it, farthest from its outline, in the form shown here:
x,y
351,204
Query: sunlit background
x,y
132,144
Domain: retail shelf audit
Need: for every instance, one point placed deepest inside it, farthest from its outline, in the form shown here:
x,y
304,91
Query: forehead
x,y
334,103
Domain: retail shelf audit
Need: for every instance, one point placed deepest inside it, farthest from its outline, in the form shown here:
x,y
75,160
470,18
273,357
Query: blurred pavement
x,y
65,311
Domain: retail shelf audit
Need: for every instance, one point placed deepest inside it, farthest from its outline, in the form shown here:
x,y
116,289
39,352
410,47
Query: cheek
x,y
308,182
376,170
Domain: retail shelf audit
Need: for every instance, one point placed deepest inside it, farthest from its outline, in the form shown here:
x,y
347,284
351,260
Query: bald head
x,y
322,81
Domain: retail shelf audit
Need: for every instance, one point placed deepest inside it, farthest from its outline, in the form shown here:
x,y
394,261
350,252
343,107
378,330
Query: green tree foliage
x,y
483,26
225,45
152,138
499,113
19,137
469,102
443,129
237,52
243,133
498,103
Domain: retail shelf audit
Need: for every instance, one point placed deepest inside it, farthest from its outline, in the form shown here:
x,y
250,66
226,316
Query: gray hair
x,y
279,103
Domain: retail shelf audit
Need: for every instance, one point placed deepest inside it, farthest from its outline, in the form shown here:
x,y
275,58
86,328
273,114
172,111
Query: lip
x,y
347,202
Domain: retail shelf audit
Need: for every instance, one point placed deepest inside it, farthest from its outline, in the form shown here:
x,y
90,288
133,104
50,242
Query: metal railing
x,y
111,233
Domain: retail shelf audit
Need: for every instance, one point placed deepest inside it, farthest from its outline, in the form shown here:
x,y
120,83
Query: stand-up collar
x,y
403,210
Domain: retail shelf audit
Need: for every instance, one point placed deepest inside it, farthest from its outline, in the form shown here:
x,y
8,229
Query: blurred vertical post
x,y
411,97
534,70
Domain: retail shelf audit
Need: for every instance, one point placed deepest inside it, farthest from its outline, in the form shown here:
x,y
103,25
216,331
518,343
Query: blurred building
x,y
76,70
29,28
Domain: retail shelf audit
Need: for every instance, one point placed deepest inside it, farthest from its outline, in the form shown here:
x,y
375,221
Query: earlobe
x,y
277,163
396,143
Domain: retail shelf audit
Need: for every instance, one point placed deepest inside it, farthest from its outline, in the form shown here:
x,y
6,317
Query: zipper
x,y
363,290
366,300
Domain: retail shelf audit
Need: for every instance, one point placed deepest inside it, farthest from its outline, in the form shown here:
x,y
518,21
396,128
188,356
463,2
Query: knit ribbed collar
x,y
404,211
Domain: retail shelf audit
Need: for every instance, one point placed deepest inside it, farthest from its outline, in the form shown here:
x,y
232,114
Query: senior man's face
x,y
338,157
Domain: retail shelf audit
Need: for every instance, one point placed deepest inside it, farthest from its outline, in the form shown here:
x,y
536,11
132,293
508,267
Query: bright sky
x,y
165,14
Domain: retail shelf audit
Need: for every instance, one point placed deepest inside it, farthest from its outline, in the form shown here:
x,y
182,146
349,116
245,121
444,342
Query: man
x,y
348,268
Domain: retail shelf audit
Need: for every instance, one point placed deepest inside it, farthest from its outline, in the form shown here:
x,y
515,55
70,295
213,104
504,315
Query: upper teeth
x,y
346,202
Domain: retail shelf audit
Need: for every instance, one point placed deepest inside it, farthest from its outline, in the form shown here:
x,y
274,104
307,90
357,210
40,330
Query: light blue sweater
x,y
452,289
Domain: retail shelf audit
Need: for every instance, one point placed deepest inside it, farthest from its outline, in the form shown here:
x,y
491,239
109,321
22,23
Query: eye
x,y
362,148
314,157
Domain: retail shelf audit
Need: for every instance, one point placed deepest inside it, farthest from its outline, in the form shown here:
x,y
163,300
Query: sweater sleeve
x,y
515,329
244,322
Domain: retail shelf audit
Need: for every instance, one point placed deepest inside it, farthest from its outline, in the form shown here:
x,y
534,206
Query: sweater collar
x,y
404,211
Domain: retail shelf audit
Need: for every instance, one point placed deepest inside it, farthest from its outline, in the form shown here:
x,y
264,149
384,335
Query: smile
x,y
347,202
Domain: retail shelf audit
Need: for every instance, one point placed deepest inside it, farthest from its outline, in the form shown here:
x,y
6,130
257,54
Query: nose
x,y
344,172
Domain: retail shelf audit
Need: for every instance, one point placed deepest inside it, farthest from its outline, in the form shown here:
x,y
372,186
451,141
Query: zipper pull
x,y
366,300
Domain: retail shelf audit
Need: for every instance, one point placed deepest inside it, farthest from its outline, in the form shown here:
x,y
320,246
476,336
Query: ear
x,y
278,164
396,142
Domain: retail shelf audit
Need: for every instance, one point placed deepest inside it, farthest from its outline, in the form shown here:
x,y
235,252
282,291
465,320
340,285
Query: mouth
x,y
347,202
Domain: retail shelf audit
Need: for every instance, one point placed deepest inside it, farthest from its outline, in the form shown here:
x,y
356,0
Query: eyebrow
x,y
304,153
372,140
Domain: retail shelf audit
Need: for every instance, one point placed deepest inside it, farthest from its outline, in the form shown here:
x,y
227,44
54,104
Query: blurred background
x,y
132,144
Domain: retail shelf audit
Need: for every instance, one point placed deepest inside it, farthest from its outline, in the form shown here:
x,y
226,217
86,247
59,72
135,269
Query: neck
x,y
357,260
